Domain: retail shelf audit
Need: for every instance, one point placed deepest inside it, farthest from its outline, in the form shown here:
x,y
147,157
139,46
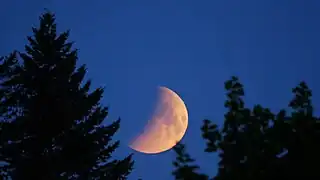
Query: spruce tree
x,y
258,144
185,167
51,122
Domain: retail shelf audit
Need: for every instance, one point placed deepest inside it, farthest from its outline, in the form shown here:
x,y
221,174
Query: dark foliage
x,y
257,144
185,169
51,125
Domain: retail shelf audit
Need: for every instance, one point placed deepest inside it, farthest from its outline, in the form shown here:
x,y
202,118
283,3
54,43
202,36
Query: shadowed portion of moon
x,y
166,127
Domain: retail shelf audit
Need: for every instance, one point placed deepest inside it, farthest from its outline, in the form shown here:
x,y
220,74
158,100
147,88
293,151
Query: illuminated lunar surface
x,y
167,126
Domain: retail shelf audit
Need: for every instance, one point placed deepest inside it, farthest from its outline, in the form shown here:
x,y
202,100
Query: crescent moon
x,y
166,127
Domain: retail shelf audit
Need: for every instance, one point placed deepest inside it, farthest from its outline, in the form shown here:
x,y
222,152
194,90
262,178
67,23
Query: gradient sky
x,y
192,47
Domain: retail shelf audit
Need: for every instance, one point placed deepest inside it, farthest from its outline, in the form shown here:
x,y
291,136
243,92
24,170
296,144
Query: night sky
x,y
189,46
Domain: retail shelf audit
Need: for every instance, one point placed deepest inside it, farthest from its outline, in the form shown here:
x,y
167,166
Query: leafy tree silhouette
x,y
51,125
257,144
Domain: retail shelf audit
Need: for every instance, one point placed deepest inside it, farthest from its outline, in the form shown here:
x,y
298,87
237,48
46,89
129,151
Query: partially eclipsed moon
x,y
166,127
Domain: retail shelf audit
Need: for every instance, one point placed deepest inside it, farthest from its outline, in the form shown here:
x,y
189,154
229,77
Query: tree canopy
x,y
258,144
52,124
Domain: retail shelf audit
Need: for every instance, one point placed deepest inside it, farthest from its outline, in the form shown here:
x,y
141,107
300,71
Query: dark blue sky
x,y
190,46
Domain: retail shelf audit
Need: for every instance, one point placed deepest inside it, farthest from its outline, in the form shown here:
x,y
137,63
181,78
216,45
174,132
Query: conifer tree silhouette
x,y
51,123
258,144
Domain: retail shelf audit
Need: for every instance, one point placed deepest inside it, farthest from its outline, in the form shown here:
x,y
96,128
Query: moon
x,y
167,126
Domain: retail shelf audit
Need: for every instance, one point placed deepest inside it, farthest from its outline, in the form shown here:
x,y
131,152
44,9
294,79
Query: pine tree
x,y
257,144
185,169
51,124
